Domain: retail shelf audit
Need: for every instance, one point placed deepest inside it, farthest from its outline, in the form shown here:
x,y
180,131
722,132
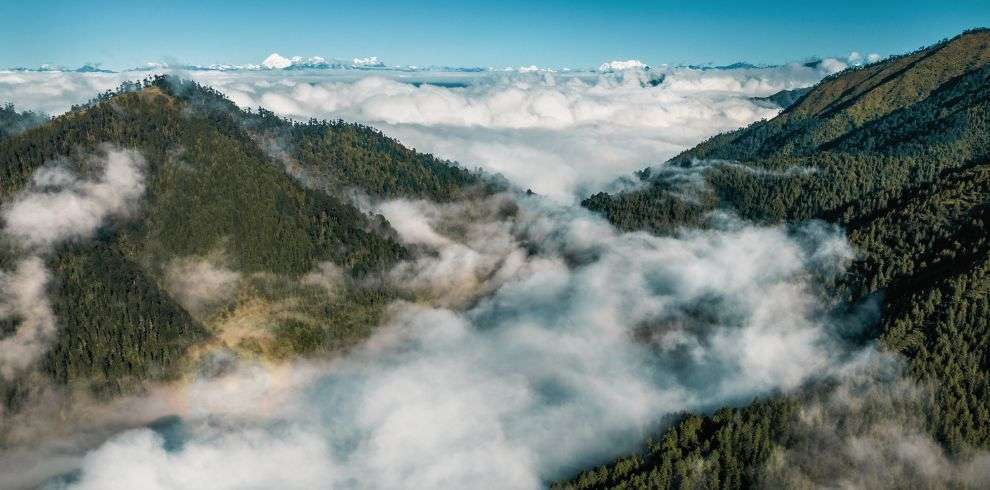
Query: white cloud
x,y
585,340
542,339
619,65
832,65
57,206
23,297
564,135
560,136
138,459
75,207
199,283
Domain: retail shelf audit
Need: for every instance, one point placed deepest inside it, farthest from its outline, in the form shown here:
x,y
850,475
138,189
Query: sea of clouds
x,y
542,339
549,341
561,134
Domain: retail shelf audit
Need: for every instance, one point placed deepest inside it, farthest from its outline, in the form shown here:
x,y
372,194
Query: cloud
x,y
564,135
139,459
559,136
472,254
536,338
200,283
54,92
57,206
61,206
619,65
581,341
23,298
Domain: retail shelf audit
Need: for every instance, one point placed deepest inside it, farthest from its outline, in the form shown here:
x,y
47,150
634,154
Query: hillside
x,y
897,153
246,204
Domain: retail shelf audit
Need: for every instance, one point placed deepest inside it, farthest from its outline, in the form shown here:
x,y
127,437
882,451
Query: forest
x,y
264,195
897,154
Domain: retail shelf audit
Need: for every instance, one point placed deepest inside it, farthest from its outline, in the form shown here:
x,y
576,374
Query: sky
x,y
577,33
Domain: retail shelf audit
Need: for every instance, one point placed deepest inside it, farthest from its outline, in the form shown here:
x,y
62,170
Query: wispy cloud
x,y
58,205
583,339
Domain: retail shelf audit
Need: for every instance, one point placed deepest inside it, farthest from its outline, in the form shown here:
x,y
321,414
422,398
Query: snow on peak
x,y
276,61
619,65
367,61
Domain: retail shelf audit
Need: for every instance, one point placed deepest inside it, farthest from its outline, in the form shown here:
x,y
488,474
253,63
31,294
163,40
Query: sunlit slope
x,y
896,153
819,157
848,101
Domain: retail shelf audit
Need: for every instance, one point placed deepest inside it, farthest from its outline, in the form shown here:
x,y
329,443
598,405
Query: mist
x,y
533,340
554,342
562,134
58,205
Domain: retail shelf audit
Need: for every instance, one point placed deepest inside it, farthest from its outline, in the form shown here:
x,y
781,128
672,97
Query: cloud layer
x,y
57,206
579,342
537,338
562,134
61,205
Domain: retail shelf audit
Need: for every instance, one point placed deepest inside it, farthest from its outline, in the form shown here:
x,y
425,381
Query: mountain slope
x,y
823,154
897,153
217,201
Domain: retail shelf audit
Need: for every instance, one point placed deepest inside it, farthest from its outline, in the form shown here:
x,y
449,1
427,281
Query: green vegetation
x,y
725,450
123,327
215,188
898,153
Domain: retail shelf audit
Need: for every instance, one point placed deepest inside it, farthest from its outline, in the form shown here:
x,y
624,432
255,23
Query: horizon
x,y
118,35
655,269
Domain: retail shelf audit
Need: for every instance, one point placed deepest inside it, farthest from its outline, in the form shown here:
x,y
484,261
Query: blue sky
x,y
122,34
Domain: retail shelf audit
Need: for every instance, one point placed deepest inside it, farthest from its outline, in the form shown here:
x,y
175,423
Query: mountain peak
x,y
276,61
620,65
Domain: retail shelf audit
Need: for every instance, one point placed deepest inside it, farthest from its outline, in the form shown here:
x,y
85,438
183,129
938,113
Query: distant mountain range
x,y
276,61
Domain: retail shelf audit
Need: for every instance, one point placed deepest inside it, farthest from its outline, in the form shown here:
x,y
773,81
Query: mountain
x,y
898,154
739,65
242,201
276,61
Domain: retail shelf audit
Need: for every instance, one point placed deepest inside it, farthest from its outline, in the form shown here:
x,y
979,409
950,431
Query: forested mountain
x,y
897,153
249,198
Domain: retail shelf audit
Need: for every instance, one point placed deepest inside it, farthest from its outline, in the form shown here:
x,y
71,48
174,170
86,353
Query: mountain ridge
x,y
217,195
900,160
